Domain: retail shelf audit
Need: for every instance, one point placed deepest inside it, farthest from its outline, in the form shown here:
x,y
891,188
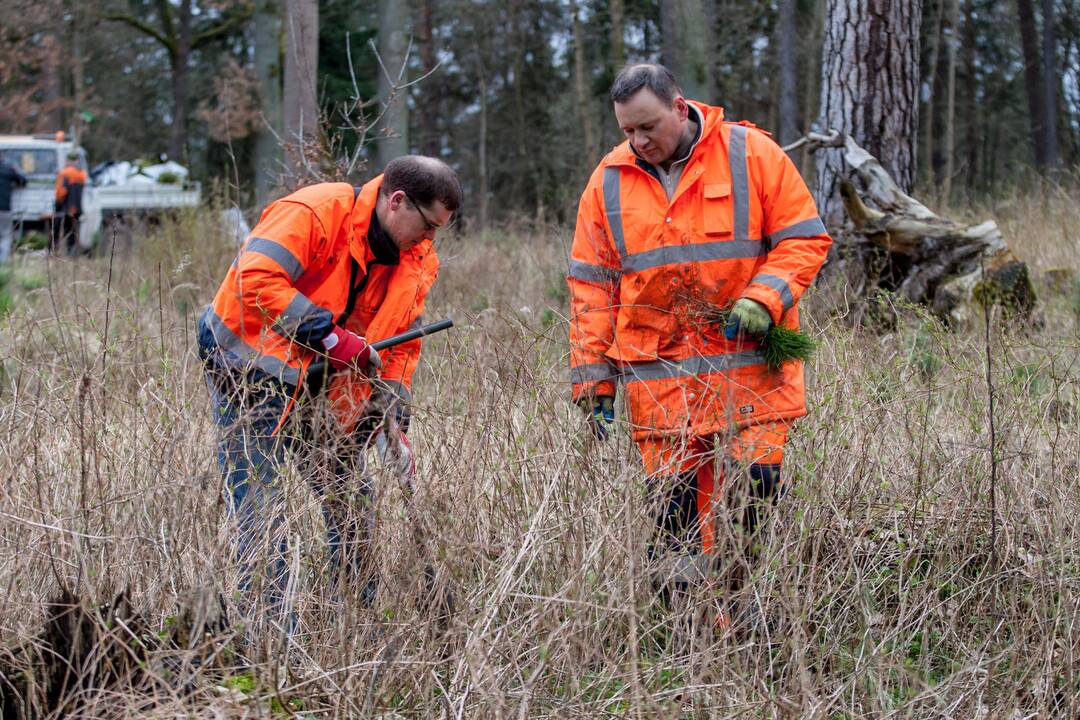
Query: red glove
x,y
346,349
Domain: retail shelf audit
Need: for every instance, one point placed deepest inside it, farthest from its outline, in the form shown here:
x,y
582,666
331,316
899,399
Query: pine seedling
x,y
779,345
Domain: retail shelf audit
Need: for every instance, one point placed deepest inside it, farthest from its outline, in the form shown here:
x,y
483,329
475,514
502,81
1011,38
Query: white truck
x,y
40,157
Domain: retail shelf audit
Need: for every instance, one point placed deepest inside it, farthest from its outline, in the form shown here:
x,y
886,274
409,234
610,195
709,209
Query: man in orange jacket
x,y
689,216
68,208
286,349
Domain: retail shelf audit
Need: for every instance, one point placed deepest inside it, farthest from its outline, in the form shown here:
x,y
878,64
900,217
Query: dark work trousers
x,y
252,453
65,233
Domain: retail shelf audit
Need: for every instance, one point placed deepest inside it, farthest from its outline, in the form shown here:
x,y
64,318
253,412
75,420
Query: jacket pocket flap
x,y
717,190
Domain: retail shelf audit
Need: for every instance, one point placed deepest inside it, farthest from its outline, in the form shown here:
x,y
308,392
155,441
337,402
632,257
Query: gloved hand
x,y
748,317
395,452
601,413
345,349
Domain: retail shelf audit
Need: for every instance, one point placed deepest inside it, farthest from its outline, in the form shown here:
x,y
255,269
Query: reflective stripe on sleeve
x,y
806,228
592,273
779,285
247,355
593,372
278,253
299,309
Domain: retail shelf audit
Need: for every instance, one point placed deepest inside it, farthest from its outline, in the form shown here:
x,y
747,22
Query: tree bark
x,y
431,88
971,112
1049,85
788,98
618,46
481,153
581,91
929,107
393,136
951,39
1029,41
268,157
179,61
300,113
685,37
869,89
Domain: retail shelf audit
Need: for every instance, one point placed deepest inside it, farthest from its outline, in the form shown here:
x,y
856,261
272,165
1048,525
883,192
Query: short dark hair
x,y
424,179
633,78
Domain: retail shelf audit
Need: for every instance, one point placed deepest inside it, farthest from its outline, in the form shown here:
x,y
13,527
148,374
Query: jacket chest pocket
x,y
717,211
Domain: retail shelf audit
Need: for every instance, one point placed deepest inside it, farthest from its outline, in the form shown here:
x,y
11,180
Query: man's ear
x,y
681,106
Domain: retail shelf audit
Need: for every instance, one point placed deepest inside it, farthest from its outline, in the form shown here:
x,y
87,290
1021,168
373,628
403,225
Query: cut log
x,y
938,263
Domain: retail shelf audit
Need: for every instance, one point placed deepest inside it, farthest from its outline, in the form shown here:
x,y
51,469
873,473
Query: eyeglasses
x,y
428,225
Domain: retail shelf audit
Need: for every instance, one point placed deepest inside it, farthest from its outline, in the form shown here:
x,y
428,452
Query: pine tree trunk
x,y
267,50
788,100
581,91
1029,41
431,88
950,98
618,46
180,65
970,106
869,89
689,47
1049,86
301,65
393,41
929,108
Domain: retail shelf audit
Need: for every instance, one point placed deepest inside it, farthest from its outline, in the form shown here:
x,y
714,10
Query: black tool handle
x,y
412,334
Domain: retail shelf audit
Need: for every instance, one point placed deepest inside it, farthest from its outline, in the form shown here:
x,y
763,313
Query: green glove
x,y
748,317
601,413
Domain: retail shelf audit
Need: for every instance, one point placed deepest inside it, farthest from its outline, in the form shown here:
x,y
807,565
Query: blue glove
x,y
601,413
748,317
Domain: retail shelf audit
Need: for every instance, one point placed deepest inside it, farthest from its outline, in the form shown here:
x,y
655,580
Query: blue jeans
x,y
252,454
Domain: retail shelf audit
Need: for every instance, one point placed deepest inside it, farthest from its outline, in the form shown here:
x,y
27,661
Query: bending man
x,y
325,270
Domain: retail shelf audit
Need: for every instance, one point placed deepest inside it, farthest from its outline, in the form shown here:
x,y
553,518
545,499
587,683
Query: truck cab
x,y
39,158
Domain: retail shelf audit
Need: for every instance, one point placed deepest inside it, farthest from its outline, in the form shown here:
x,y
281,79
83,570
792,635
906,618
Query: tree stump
x,y
933,261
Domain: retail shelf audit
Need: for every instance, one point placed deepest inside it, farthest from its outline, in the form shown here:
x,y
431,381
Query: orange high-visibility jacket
x,y
70,182
645,272
293,273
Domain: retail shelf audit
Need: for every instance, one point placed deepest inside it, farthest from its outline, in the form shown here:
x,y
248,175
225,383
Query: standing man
x,y
286,349
10,178
70,182
689,216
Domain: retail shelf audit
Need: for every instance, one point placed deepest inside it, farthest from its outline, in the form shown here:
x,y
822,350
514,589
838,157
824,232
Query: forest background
x,y
514,94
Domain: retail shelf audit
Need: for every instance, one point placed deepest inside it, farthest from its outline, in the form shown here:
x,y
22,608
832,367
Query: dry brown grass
x,y
877,570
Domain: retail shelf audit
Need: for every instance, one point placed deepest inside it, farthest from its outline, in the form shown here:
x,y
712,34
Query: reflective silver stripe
x,y
740,182
690,367
593,372
806,228
593,273
778,284
398,389
297,311
699,252
417,323
278,253
613,208
247,355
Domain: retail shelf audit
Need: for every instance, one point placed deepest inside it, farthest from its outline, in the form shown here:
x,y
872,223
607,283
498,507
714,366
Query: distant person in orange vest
x,y
10,178
327,270
68,207
689,215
